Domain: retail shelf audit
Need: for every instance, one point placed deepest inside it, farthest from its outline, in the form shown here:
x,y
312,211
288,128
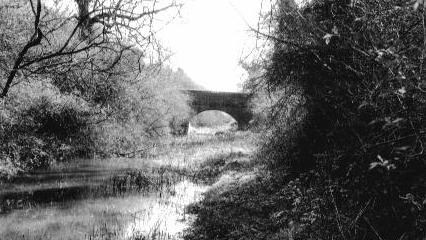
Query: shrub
x,y
361,125
40,127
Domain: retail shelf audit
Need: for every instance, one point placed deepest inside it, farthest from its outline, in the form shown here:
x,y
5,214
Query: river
x,y
117,198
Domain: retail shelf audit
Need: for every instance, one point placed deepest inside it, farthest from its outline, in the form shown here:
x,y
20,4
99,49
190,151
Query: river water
x,y
127,198
121,205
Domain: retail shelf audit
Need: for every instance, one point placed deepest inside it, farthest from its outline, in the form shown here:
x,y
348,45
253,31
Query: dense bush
x,y
358,126
40,127
41,123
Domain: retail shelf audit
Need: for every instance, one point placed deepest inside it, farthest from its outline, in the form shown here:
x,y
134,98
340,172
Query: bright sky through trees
x,y
209,39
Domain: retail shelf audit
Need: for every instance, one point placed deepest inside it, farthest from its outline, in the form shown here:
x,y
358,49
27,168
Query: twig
x,y
337,215
361,212
372,228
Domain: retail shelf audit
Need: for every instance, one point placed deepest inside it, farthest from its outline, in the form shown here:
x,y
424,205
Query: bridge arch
x,y
233,103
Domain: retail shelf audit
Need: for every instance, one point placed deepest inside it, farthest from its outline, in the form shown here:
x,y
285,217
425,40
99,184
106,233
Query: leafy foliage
x,y
356,69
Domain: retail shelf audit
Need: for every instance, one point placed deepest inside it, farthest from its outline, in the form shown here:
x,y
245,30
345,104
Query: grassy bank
x,y
247,201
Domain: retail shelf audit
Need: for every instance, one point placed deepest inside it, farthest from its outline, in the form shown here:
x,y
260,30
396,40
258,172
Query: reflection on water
x,y
166,219
157,213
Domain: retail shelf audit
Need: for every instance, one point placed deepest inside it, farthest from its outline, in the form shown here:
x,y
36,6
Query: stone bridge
x,y
233,103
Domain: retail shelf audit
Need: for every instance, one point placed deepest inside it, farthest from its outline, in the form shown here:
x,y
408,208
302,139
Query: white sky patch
x,y
209,39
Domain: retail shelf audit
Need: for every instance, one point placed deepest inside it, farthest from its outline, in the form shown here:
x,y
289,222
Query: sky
x,y
209,39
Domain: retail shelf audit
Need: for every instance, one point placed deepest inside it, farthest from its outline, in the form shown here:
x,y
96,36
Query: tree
x,y
81,78
57,41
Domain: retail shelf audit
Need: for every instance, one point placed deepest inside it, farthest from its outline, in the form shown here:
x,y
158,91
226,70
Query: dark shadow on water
x,y
94,185
46,176
21,200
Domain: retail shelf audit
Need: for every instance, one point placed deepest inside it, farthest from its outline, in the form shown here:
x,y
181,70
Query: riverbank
x,y
250,203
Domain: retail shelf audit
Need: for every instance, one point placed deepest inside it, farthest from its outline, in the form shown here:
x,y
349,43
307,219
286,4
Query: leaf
x,y
327,38
335,30
402,91
383,163
397,120
380,158
373,165
403,148
363,104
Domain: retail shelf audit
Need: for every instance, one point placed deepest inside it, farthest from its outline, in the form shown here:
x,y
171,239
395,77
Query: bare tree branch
x,y
34,41
116,26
